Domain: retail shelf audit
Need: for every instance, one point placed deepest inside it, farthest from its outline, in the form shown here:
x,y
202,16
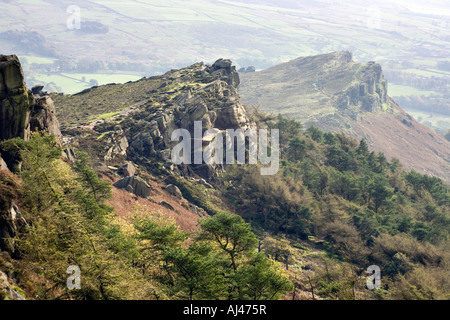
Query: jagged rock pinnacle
x,y
21,111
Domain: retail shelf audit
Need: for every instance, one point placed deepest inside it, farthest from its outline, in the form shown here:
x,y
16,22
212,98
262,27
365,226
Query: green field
x,y
439,122
35,59
72,83
399,90
428,72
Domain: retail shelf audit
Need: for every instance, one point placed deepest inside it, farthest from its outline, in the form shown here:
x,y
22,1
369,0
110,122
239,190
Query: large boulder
x,y
3,165
127,170
135,185
118,145
43,117
37,90
225,68
174,190
166,205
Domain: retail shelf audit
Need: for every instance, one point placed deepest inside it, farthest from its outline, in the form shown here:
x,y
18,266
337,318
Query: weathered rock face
x,y
225,69
176,100
209,95
43,117
369,93
37,90
15,100
69,154
20,111
135,185
118,145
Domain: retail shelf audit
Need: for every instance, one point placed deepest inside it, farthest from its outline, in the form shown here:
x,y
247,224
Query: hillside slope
x,y
336,94
109,203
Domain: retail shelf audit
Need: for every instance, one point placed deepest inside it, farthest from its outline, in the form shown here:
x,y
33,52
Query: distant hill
x,y
334,93
145,38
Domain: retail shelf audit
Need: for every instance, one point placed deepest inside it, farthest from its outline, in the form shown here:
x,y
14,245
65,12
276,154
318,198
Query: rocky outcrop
x,y
224,69
69,154
135,185
117,145
22,110
15,100
248,70
313,88
127,170
210,96
37,90
176,100
368,92
43,117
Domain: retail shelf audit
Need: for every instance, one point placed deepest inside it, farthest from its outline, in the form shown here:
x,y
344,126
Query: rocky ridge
x,y
336,94
201,92
319,89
